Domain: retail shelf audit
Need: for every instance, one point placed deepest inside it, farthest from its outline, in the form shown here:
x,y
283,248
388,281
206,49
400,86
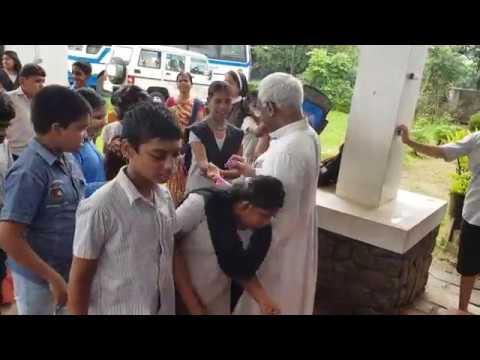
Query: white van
x,y
155,68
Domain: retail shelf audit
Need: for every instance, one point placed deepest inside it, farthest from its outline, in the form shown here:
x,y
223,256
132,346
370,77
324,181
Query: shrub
x,y
474,123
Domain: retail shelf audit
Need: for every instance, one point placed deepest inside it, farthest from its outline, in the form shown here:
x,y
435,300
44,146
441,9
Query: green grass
x,y
334,134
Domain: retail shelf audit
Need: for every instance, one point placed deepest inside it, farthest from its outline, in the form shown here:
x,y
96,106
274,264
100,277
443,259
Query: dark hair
x,y
216,87
264,192
187,74
13,55
85,67
128,96
92,97
7,110
147,121
32,70
57,104
244,87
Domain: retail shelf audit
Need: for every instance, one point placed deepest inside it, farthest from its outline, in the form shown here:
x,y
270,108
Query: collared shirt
x,y
20,131
469,146
208,279
6,161
42,191
131,237
91,163
293,158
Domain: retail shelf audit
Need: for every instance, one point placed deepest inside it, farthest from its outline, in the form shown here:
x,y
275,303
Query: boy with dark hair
x,y
42,191
81,72
223,237
123,247
89,158
20,131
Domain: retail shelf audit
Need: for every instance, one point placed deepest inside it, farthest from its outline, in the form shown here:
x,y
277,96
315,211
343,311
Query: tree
x,y
333,72
292,59
472,52
444,68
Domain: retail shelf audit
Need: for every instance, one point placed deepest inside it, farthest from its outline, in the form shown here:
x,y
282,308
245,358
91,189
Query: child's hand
x,y
199,310
402,130
213,172
269,307
58,287
239,163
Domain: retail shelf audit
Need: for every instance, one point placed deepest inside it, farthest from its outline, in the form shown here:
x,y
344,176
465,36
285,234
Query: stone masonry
x,y
358,278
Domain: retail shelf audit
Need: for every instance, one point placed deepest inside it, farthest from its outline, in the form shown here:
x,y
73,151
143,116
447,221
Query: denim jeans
x,y
33,298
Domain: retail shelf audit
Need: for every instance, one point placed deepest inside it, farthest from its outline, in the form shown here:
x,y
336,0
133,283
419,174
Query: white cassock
x,y
289,271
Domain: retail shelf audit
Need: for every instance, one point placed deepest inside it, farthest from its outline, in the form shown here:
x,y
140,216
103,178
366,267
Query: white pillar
x,y
386,93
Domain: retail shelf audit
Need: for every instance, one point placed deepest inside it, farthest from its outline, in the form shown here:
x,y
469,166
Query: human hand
x,y
58,288
239,163
269,307
403,132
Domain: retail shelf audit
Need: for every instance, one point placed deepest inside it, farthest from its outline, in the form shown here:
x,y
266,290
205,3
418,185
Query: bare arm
x,y
429,150
258,293
81,277
200,155
12,241
184,285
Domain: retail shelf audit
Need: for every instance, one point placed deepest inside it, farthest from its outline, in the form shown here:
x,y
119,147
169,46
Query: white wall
x,y
53,58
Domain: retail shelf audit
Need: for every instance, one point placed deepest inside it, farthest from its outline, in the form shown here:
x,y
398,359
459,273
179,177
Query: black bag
x,y
329,170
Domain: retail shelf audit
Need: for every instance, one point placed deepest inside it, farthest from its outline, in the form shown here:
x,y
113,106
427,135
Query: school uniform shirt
x,y
91,163
42,191
289,271
209,281
131,237
469,146
6,161
20,131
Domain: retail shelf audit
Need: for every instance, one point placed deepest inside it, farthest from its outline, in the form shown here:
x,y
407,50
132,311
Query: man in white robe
x,y
289,271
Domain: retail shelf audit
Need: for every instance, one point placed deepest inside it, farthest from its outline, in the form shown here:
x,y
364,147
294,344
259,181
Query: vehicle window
x,y
150,59
175,63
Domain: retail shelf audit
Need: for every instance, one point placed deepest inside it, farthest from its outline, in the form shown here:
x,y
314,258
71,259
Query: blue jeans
x,y
33,298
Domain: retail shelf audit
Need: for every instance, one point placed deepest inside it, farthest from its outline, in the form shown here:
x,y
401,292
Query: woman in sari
x,y
186,110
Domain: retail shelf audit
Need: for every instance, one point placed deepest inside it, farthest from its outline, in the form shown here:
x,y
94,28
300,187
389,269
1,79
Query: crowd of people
x,y
189,207
183,211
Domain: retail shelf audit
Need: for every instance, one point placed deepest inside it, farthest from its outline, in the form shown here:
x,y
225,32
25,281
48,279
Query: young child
x,y
253,131
42,191
89,158
123,247
7,113
224,235
81,72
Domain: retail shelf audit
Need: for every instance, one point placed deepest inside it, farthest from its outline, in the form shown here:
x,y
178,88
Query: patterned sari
x,y
182,112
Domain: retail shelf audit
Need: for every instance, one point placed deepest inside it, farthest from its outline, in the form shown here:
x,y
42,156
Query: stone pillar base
x,y
358,278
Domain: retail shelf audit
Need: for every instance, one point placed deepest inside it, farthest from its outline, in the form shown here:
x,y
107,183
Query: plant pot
x,y
456,205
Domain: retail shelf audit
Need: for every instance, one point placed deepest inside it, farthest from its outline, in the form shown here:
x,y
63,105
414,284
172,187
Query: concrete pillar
x,y
385,95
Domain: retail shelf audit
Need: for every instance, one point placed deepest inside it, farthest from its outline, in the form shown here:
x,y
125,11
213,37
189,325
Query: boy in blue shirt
x,y
88,157
42,191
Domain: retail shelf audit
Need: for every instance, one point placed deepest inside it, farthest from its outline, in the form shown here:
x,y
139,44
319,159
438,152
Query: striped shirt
x,y
131,238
